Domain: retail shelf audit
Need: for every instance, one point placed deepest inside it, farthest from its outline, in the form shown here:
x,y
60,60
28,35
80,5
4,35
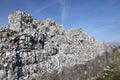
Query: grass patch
x,y
112,71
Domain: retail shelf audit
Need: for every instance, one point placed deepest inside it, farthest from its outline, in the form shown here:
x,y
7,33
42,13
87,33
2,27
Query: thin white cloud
x,y
103,29
63,14
42,8
64,4
39,10
99,31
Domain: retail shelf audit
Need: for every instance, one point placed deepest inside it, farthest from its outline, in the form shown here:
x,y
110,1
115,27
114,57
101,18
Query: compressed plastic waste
x,y
29,47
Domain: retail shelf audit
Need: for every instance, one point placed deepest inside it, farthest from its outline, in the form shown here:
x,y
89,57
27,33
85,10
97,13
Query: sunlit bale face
x,y
18,19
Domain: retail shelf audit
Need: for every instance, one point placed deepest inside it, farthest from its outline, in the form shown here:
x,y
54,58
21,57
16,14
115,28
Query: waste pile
x,y
30,48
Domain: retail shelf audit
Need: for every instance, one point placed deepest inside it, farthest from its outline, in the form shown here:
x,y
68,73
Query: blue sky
x,y
99,18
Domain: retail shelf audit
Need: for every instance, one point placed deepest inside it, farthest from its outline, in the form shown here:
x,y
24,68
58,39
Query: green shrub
x,y
112,72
